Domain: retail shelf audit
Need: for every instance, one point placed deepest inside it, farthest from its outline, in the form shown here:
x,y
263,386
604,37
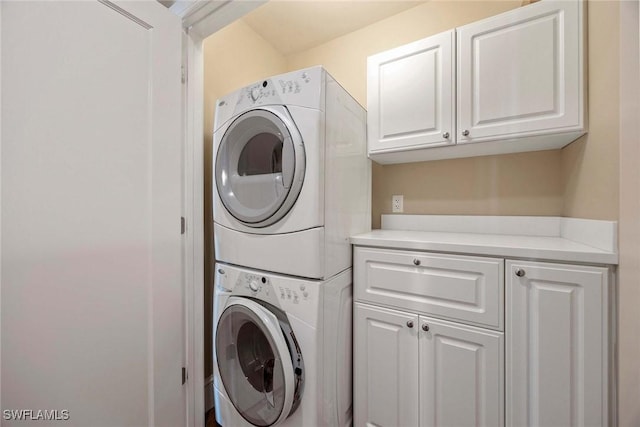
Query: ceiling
x,y
294,26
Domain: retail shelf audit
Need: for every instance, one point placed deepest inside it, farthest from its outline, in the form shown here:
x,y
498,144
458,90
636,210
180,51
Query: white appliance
x,y
282,349
292,178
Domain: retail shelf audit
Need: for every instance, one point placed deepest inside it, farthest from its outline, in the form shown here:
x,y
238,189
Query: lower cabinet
x,y
413,370
557,329
417,363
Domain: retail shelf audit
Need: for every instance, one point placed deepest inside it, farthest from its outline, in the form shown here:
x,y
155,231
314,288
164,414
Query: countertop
x,y
549,244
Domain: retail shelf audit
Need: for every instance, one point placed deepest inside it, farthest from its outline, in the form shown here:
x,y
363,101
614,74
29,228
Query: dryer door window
x,y
255,363
260,166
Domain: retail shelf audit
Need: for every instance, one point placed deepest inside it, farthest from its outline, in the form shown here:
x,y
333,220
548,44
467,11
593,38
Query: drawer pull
x,y
410,323
416,261
425,327
520,272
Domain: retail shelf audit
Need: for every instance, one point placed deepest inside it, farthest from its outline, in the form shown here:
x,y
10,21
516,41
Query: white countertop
x,y
547,245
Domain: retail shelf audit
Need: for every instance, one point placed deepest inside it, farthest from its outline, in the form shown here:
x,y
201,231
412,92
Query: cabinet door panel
x,y
461,375
520,73
385,366
556,345
410,94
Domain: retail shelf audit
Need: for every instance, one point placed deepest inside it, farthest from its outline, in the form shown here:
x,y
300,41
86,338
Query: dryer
x,y
282,349
291,174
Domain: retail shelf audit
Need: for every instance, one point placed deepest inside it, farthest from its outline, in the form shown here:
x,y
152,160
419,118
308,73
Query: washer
x,y
282,353
291,174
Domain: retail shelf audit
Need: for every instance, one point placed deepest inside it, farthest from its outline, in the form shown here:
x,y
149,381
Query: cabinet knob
x,y
416,261
520,272
425,327
410,323
445,135
465,133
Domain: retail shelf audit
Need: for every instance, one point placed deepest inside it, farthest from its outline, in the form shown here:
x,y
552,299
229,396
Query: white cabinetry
x,y
412,368
557,352
520,87
520,74
385,356
461,375
410,95
431,349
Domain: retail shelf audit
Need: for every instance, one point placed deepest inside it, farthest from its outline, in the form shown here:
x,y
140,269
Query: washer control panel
x,y
253,283
298,297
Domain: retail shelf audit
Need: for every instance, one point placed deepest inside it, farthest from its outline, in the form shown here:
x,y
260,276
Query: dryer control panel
x,y
303,88
277,90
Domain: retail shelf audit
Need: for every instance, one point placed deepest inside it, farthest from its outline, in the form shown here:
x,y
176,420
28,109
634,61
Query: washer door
x,y
260,166
255,363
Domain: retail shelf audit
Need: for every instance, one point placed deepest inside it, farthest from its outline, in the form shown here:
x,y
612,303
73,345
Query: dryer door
x,y
260,166
255,363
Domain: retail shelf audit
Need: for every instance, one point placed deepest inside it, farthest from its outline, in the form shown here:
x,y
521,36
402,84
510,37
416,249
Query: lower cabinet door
x,y
557,345
385,367
461,375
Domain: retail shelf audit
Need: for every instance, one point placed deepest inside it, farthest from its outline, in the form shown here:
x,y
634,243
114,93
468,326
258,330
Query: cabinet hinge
x,y
184,375
183,225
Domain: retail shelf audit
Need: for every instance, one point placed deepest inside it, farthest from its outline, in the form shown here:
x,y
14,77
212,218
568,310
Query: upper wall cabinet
x,y
410,95
519,87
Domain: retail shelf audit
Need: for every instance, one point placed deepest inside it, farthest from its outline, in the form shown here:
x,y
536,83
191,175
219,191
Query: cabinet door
x,y
410,95
556,344
385,367
520,73
461,375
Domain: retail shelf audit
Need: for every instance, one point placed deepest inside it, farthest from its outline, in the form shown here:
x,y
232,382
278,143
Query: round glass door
x,y
260,166
254,363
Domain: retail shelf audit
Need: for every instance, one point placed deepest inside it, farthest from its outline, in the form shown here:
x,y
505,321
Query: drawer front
x,y
463,288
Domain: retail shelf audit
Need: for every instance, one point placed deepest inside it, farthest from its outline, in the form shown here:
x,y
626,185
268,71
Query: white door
x,y
410,93
520,73
385,367
461,375
92,294
557,345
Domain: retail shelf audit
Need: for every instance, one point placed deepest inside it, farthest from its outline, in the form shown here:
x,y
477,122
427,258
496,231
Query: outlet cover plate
x,y
397,203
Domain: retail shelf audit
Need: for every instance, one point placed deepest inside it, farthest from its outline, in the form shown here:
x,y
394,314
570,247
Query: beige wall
x,y
234,57
590,165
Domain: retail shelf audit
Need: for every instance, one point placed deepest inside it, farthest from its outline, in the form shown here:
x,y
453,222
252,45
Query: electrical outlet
x,y
397,203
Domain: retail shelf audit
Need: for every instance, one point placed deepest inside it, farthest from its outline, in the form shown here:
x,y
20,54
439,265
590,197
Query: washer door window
x,y
260,166
255,363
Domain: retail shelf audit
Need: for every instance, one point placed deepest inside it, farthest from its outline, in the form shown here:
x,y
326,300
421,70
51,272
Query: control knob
x,y
254,286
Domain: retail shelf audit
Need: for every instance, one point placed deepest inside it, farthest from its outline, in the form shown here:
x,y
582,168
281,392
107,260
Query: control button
x,y
255,93
303,287
305,294
254,285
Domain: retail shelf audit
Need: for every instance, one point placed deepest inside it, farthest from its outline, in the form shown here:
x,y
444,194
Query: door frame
x,y
200,19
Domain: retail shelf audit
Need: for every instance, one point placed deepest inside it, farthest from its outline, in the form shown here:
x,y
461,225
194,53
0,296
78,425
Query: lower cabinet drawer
x,y
462,288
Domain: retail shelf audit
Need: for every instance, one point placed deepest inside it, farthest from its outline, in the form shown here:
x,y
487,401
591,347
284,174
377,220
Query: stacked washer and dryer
x,y
292,183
